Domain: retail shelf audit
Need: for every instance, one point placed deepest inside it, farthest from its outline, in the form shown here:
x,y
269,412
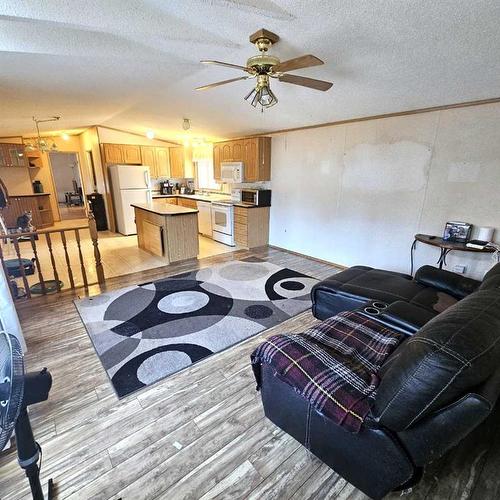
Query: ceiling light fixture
x,y
150,134
41,144
65,137
265,66
262,93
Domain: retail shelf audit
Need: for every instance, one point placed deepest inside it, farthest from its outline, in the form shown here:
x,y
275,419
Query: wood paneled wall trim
x,y
466,104
340,266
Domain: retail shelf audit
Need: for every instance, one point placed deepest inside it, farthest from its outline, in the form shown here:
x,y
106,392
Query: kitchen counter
x,y
168,231
212,198
33,194
164,209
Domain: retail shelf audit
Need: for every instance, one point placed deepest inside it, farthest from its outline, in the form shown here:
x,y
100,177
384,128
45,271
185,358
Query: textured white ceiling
x,y
134,64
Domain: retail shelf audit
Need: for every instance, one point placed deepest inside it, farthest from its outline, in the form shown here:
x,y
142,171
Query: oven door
x,y
222,218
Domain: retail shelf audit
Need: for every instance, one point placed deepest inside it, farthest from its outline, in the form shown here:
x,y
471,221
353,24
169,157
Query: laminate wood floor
x,y
198,434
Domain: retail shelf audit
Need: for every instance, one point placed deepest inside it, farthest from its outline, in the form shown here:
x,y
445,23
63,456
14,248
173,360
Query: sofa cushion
x,y
453,353
381,285
433,300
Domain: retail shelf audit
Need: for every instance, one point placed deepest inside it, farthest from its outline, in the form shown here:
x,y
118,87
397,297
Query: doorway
x,y
68,184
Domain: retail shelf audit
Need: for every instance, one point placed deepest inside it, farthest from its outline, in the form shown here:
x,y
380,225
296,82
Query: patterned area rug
x,y
146,332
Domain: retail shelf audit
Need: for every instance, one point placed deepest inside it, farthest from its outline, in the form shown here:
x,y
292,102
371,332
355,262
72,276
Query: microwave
x,y
257,197
231,172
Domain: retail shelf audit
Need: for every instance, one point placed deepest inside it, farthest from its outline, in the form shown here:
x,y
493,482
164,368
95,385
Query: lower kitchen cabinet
x,y
38,205
251,226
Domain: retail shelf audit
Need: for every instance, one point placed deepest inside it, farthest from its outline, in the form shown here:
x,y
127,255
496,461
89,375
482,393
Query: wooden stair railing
x,y
47,234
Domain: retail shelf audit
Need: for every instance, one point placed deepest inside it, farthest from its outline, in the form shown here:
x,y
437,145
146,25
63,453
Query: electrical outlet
x,y
459,269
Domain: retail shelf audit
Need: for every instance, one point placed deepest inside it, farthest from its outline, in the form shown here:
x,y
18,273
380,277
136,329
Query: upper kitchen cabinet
x,y
176,155
12,155
148,156
157,159
113,153
254,152
162,162
131,154
127,154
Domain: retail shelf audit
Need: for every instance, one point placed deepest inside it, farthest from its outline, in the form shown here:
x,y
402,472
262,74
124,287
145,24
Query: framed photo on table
x,y
457,231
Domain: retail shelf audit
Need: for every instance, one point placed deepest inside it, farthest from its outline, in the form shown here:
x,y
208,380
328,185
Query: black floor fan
x,y
18,391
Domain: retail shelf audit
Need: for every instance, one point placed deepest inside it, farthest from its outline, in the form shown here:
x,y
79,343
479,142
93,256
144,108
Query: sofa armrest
x,y
451,283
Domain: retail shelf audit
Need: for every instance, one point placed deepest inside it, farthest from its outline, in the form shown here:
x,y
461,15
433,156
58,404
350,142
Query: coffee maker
x,y
166,187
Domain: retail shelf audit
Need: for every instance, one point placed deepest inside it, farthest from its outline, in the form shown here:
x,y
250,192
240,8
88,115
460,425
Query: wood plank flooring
x,y
198,434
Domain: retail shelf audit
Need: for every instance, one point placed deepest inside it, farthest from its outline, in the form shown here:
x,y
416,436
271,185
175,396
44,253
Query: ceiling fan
x,y
264,66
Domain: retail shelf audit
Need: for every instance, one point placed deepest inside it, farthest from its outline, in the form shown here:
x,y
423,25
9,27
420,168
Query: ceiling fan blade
x,y
228,65
305,82
223,82
297,63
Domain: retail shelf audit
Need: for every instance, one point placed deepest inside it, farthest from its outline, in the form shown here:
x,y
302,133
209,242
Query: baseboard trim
x,y
322,261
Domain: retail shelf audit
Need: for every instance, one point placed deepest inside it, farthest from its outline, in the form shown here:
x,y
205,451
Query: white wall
x,y
357,193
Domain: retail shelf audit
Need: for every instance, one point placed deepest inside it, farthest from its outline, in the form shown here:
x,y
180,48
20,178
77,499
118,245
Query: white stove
x,y
223,222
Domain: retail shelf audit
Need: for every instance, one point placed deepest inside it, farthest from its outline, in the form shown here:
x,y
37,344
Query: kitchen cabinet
x,y
251,226
148,156
162,162
131,154
157,159
12,155
184,202
127,154
176,156
254,152
113,153
152,238
37,204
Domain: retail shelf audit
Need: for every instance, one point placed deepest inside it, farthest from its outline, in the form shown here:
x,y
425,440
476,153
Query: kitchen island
x,y
168,231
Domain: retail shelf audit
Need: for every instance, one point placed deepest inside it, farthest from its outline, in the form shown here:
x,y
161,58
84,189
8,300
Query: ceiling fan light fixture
x,y
253,97
267,97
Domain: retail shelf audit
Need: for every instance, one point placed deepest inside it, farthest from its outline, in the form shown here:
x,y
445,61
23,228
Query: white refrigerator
x,y
129,184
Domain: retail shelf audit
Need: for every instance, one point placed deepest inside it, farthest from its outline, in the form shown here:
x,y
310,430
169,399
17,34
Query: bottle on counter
x,y
37,187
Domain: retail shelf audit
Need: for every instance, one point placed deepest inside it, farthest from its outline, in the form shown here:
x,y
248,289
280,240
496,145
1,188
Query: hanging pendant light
x,y
41,144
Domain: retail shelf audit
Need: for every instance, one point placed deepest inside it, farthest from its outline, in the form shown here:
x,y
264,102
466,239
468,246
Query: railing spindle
x,y
38,266
21,267
97,253
82,264
68,263
53,261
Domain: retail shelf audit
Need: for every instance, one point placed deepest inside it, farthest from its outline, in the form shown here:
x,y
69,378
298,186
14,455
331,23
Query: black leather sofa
x,y
407,302
435,388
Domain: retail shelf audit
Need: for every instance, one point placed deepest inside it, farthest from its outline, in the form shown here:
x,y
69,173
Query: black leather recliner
x,y
412,302
435,388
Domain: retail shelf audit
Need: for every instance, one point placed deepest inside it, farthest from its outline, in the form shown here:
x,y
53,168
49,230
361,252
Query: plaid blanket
x,y
333,365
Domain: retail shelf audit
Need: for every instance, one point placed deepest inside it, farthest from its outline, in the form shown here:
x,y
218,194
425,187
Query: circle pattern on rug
x,y
293,288
159,365
293,285
243,271
183,302
258,312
